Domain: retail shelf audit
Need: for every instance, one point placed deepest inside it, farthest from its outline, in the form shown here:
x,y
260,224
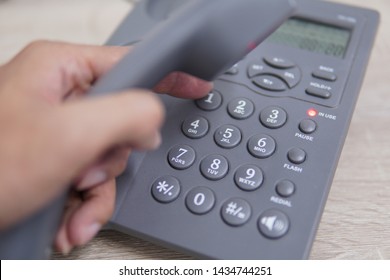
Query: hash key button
x,y
236,212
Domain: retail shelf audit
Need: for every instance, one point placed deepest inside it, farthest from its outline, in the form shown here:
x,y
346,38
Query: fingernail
x,y
65,248
156,141
89,232
153,142
92,178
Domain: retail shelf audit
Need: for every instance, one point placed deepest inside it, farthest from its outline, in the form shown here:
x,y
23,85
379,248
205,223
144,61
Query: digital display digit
x,y
313,37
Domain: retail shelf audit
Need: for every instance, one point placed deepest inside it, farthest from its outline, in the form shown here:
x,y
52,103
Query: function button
x,y
290,76
261,146
273,117
200,200
255,69
269,82
232,70
166,189
285,188
296,155
210,102
318,92
227,136
324,75
235,212
248,177
195,127
307,126
181,157
273,223
241,108
279,62
214,167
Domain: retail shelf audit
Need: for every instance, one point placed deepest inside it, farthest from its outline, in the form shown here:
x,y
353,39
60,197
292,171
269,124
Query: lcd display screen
x,y
313,37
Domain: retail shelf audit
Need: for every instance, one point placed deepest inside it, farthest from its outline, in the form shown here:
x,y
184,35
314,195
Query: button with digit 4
x,y
195,127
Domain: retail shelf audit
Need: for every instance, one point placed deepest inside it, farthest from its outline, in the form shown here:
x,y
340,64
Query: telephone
x,y
244,173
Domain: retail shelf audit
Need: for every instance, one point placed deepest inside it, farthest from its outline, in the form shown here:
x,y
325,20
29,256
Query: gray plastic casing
x,y
208,236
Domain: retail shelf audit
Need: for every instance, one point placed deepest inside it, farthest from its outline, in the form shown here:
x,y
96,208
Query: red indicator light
x,y
312,112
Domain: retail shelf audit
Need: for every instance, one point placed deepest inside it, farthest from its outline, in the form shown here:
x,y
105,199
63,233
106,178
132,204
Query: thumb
x,y
91,127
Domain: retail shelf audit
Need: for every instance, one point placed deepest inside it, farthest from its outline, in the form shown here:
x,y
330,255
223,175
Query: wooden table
x,y
356,220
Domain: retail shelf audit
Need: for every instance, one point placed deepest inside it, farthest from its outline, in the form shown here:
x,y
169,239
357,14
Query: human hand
x,y
53,138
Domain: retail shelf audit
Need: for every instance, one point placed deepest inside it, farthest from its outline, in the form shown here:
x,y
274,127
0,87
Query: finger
x,y
54,70
131,120
109,167
183,85
62,241
93,213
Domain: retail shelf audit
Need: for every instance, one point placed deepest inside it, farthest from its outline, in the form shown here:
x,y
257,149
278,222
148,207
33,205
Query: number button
x,y
195,127
181,157
240,108
227,136
214,167
248,177
236,212
200,200
273,117
211,102
261,146
166,189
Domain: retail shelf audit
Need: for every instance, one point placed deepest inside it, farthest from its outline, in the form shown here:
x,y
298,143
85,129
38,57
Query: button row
x,y
235,212
215,167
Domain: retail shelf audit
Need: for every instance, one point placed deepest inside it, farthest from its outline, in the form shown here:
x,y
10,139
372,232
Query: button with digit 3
x,y
273,117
